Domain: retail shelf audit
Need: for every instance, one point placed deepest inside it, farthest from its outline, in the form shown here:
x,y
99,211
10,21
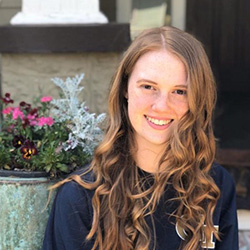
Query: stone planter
x,y
23,211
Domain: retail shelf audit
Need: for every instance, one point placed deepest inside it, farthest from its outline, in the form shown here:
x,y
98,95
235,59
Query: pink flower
x,y
45,121
33,123
17,113
7,110
32,119
46,99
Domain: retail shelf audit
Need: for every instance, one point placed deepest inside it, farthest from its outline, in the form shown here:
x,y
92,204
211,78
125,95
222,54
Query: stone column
x,y
59,12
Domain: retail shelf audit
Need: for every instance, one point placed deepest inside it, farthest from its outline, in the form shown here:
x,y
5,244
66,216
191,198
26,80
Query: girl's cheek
x,y
179,102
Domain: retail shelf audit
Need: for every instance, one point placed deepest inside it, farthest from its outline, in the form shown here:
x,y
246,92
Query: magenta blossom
x,y
17,113
45,121
46,99
7,110
32,119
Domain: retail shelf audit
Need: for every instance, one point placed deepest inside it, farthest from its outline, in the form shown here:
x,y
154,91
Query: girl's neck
x,y
148,158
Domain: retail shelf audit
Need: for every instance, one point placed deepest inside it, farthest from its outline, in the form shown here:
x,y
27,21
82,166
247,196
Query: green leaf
x,y
64,168
48,168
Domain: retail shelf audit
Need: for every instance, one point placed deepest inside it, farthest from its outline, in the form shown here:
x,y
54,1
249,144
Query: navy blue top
x,y
71,217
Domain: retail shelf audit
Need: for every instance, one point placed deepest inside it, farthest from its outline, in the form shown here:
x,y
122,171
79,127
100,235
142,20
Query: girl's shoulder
x,y
71,192
220,175
85,173
224,181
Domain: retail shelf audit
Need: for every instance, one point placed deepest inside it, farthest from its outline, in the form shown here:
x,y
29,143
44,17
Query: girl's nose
x,y
161,103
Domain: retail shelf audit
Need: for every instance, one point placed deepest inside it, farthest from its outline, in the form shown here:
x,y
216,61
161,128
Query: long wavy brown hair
x,y
121,201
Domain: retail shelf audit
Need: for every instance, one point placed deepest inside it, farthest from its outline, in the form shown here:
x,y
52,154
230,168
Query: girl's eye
x,y
148,87
180,92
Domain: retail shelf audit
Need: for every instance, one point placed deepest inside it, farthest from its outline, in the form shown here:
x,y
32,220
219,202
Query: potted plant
x,y
39,145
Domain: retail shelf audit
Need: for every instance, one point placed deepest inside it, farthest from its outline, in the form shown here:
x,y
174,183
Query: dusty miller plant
x,y
84,126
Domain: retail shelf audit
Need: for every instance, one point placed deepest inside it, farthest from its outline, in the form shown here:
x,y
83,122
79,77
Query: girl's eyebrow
x,y
146,80
150,81
181,86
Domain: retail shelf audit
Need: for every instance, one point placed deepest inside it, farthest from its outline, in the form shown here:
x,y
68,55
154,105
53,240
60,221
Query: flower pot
x,y
23,211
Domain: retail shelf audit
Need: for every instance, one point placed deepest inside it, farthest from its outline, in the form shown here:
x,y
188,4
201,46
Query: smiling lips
x,y
158,123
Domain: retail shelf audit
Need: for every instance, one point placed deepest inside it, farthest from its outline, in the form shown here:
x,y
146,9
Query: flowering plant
x,y
55,136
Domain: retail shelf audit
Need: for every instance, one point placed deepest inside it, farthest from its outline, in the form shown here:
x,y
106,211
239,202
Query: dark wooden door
x,y
223,26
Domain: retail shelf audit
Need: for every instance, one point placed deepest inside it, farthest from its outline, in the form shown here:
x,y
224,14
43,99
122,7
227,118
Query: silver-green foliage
x,y
84,126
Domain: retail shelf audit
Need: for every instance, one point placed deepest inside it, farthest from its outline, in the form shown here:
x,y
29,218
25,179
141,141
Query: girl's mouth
x,y
159,122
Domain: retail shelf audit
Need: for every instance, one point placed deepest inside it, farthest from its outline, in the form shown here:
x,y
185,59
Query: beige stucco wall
x,y
25,76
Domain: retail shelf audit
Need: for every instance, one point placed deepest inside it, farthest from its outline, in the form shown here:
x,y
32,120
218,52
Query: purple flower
x,y
25,122
18,141
22,104
33,112
28,149
25,106
6,99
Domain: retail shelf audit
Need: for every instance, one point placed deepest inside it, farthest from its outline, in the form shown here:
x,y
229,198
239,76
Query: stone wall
x,y
26,76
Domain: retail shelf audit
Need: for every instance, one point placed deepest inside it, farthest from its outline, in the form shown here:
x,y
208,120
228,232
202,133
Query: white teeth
x,y
158,122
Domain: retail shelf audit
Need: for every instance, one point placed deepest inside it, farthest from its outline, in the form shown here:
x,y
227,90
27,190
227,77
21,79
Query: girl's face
x,y
157,97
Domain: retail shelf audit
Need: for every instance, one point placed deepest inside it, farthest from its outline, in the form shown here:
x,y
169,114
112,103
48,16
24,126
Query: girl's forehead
x,y
159,65
157,58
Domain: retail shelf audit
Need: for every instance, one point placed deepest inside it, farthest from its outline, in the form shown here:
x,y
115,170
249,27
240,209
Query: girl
x,y
152,183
